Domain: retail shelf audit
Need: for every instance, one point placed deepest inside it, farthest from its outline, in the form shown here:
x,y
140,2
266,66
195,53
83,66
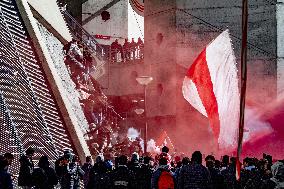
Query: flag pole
x,y
243,82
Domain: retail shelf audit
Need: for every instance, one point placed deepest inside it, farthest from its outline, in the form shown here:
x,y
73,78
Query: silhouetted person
x,y
216,177
99,177
87,168
163,177
126,50
5,177
144,176
134,167
114,49
165,154
44,177
140,46
185,161
229,173
225,162
69,171
122,177
277,180
26,169
195,175
132,48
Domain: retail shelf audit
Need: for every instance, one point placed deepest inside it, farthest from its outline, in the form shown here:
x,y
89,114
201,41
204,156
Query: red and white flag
x,y
211,86
164,140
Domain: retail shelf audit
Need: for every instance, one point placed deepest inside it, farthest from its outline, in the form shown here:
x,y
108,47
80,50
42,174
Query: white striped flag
x,y
211,87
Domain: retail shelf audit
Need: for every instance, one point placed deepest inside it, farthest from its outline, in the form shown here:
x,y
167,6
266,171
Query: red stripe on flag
x,y
200,75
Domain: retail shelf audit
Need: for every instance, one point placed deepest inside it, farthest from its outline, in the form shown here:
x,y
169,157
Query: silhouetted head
x,y
196,157
9,158
165,149
225,160
185,161
248,162
100,158
122,160
233,161
43,162
217,164
210,161
147,159
30,152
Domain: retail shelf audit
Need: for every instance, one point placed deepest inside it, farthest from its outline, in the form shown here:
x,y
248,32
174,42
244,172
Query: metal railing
x,y
97,51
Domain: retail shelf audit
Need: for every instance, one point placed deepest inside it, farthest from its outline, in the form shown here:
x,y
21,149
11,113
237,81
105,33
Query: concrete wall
x,y
160,54
116,26
55,49
43,8
56,83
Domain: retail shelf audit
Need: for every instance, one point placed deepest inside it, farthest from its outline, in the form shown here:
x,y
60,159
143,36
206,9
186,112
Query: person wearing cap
x,y
68,171
26,169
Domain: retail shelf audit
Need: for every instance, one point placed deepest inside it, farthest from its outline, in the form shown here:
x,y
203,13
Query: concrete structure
x,y
116,26
66,102
39,103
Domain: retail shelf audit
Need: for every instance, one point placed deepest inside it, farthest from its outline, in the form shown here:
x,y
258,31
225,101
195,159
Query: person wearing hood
x,y
163,177
277,180
134,164
69,171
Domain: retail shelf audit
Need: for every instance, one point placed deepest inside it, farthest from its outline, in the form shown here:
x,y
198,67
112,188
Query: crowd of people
x,y
128,51
97,109
79,62
146,172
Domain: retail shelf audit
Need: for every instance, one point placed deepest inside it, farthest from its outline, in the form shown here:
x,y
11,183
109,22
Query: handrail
x,y
89,39
94,48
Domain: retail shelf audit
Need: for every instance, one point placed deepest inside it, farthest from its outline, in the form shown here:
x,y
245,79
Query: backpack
x,y
166,180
